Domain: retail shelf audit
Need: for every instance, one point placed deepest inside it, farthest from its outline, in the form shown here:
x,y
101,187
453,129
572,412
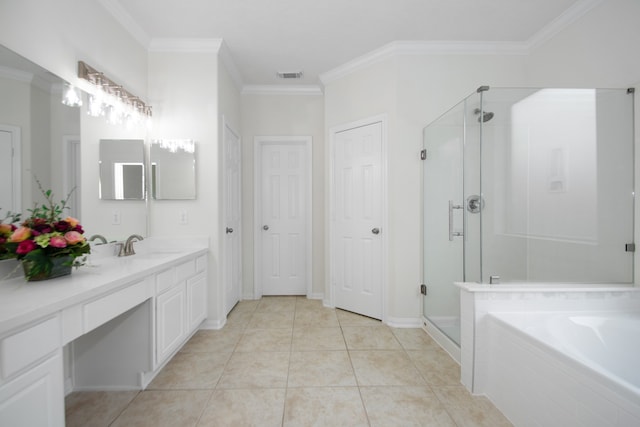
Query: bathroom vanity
x,y
120,318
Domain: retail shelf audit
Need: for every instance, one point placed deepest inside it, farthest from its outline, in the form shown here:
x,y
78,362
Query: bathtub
x,y
564,368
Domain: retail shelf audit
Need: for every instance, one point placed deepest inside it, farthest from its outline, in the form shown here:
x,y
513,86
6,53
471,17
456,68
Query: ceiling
x,y
267,36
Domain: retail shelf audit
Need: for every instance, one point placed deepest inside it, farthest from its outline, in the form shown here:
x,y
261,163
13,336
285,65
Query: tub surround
x,y
501,353
123,318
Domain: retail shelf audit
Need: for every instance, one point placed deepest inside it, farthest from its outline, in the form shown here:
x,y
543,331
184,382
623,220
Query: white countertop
x,y
22,302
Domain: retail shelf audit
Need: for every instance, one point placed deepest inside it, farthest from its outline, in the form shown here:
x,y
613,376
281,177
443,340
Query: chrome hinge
x,y
630,247
423,289
423,155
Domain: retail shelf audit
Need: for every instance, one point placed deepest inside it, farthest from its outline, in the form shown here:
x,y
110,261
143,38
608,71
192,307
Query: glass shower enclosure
x,y
525,185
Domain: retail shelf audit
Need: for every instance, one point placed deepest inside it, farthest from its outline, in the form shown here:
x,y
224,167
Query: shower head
x,y
486,116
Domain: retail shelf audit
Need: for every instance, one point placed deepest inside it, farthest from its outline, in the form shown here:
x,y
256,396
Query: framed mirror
x,y
122,175
173,169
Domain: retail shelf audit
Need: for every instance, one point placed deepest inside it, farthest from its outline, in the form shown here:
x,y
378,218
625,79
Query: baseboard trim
x,y
404,322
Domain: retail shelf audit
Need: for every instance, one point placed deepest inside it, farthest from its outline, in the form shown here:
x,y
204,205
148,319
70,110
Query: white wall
x,y
283,115
183,88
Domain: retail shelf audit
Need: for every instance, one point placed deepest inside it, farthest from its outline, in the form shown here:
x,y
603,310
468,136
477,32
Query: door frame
x,y
331,248
16,145
71,145
226,129
259,143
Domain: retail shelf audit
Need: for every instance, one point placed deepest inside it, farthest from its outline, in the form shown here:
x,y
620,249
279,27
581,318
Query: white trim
x,y
383,120
122,16
14,74
226,59
16,145
281,90
259,142
212,324
185,45
404,322
68,141
568,17
227,128
441,339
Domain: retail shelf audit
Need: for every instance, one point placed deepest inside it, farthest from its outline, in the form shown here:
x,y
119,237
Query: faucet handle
x,y
121,248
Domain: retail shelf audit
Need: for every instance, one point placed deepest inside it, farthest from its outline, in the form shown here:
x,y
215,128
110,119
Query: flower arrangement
x,y
45,240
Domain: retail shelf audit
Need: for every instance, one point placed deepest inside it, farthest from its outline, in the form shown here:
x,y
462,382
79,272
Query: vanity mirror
x,y
173,169
39,135
122,169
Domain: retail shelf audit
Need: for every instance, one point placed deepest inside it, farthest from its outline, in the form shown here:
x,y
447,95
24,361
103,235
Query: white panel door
x,y
284,219
232,218
357,220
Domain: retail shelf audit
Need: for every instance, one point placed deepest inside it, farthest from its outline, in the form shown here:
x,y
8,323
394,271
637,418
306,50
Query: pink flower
x,y
5,229
72,221
58,242
20,234
25,247
73,237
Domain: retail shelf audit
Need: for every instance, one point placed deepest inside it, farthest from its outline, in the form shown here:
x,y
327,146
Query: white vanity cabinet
x,y
180,305
31,377
122,324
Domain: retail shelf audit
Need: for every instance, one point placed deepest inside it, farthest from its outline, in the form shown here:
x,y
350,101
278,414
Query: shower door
x,y
444,219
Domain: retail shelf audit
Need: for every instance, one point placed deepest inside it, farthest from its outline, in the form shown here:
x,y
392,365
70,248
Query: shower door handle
x,y
452,233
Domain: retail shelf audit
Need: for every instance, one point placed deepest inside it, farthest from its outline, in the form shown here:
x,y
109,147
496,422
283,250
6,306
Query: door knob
x,y
265,227
376,231
229,230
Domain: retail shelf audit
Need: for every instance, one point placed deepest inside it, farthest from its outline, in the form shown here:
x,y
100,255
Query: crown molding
x,y
185,45
568,17
123,18
281,90
229,64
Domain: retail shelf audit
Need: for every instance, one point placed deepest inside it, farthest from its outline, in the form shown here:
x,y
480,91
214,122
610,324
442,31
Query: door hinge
x,y
630,247
423,289
423,155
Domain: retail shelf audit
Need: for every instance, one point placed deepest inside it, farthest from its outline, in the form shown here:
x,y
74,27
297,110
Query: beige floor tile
x,y
304,303
191,371
310,339
468,410
370,338
246,306
404,406
332,406
244,407
96,409
238,320
316,319
321,369
256,370
436,366
351,319
384,368
213,341
255,340
272,304
414,339
160,408
271,320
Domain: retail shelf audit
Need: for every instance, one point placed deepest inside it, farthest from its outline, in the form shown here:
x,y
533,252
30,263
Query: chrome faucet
x,y
98,237
126,249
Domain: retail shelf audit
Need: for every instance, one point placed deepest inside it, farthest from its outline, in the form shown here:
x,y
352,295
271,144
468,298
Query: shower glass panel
x,y
527,185
557,181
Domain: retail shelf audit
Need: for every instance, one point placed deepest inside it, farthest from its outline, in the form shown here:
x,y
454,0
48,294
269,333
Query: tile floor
x,y
289,361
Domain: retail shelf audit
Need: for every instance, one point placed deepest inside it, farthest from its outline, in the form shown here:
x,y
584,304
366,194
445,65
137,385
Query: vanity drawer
x,y
165,280
185,270
106,308
21,349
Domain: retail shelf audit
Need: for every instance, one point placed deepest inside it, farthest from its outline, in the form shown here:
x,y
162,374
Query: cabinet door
x,y
170,320
35,398
197,300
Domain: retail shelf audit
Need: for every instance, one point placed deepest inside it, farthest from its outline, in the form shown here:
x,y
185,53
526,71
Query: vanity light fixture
x,y
111,98
71,96
173,145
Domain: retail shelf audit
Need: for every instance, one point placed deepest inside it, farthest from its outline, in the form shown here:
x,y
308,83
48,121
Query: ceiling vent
x,y
290,75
